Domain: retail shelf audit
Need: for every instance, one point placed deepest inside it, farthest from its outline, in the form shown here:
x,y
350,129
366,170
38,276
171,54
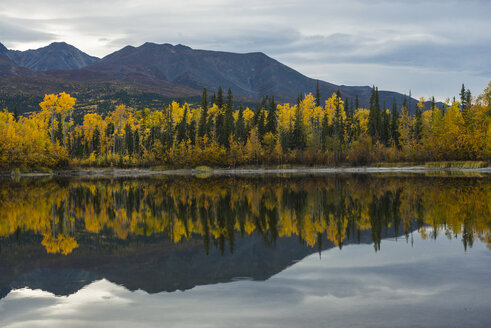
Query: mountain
x,y
250,75
3,49
8,67
152,75
56,56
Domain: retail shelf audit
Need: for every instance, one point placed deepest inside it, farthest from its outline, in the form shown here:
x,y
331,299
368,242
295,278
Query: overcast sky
x,y
429,47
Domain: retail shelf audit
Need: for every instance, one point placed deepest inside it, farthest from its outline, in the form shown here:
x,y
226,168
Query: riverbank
x,y
207,171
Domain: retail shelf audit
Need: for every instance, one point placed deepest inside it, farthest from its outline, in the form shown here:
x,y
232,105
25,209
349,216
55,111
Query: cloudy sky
x,y
429,47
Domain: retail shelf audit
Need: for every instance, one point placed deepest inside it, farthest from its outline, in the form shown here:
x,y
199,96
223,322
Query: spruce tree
x,y
463,97
386,130
240,128
264,102
128,138
271,121
338,123
96,141
317,95
137,143
324,131
465,100
394,125
465,110
349,120
357,103
228,124
374,114
182,127
230,99
261,128
169,133
378,111
299,138
192,132
59,131
219,101
16,114
220,132
299,98
409,103
203,126
418,124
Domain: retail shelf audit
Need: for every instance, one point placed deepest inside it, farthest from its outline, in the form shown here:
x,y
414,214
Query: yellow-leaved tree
x,y
62,105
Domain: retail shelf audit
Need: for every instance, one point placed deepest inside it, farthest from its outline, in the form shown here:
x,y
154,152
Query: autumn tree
x,y
61,104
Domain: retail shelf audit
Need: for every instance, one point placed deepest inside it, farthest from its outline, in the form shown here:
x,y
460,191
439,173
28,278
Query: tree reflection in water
x,y
221,209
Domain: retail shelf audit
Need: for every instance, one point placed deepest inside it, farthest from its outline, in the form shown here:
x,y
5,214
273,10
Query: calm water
x,y
270,251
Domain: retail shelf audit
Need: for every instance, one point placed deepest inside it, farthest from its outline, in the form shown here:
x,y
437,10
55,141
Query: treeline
x,y
217,133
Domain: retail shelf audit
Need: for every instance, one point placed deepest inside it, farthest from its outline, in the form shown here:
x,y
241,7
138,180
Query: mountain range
x,y
152,75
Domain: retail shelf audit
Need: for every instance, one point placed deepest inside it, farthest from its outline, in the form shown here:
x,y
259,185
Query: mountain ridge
x,y
55,56
166,70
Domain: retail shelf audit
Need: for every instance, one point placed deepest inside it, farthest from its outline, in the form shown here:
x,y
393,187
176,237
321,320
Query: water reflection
x,y
220,210
432,284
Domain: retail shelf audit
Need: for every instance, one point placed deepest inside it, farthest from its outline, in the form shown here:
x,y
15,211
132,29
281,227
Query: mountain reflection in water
x,y
173,233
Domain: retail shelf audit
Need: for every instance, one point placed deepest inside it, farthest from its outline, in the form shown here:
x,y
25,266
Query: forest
x,y
218,133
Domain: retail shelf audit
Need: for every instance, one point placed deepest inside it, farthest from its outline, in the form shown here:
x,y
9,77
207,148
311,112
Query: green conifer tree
x,y
418,124
299,138
203,123
394,125
240,128
182,127
219,101
128,138
16,114
228,124
463,97
261,127
271,120
192,132
96,141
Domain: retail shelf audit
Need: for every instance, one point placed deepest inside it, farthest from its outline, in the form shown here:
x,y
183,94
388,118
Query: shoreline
x,y
302,170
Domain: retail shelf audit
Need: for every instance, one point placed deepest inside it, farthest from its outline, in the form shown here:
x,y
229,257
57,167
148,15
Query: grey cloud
x,y
15,32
